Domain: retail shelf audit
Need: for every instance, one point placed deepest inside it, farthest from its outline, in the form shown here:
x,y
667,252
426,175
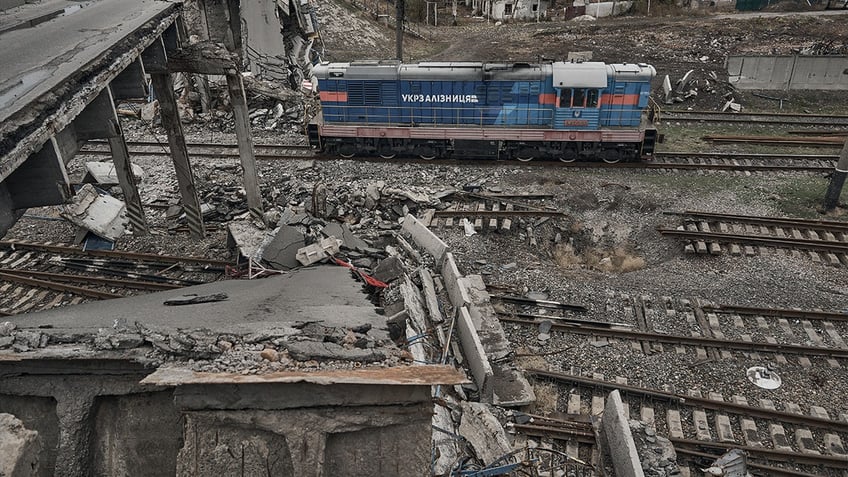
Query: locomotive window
x,y
592,100
565,98
579,100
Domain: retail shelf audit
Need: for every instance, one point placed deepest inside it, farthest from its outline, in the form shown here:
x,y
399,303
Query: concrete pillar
x,y
41,180
245,144
99,120
156,62
75,434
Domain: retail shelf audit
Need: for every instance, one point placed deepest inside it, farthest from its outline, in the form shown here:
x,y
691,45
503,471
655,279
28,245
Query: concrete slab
x,y
281,251
102,214
326,294
63,45
425,239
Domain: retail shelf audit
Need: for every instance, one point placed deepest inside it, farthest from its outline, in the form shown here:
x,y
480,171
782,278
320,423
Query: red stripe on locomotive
x,y
547,98
619,99
334,96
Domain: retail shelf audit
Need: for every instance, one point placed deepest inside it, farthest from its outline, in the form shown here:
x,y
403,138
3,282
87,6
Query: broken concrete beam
x,y
619,439
450,273
483,431
509,386
424,238
318,251
475,354
102,214
430,297
412,302
445,444
19,448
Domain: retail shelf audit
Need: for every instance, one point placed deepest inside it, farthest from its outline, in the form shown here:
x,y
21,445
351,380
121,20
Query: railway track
x,y
785,441
802,338
817,163
40,276
756,118
711,233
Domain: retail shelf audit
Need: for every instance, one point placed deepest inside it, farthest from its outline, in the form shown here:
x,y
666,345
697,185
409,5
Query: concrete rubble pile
x,y
689,86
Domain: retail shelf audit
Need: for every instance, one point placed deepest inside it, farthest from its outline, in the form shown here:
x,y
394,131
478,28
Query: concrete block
x,y
424,238
474,353
19,448
102,214
619,439
104,173
318,251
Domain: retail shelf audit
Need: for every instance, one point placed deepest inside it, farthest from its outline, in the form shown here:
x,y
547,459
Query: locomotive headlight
x,y
577,114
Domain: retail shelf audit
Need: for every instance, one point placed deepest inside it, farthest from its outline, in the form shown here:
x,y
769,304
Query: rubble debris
x,y
318,251
19,448
483,432
657,454
102,214
733,463
104,173
314,350
282,250
195,299
389,269
763,377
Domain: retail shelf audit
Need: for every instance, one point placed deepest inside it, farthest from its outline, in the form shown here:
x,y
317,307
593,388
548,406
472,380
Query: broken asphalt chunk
x,y
194,299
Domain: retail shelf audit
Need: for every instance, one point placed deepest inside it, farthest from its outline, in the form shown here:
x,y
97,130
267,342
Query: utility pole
x,y
837,180
399,28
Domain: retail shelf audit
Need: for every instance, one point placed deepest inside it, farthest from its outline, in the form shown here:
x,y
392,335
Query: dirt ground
x,y
673,44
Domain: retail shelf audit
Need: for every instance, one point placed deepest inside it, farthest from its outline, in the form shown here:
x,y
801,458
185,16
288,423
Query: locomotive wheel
x,y
568,156
347,150
388,156
425,152
525,155
611,157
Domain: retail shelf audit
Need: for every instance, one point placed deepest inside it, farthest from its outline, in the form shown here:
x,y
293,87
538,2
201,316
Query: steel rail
x,y
587,437
772,471
764,220
806,244
780,312
839,462
732,167
14,244
741,155
637,165
680,399
58,286
688,340
499,213
64,277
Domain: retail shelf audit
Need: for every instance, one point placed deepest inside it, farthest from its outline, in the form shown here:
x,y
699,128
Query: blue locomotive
x,y
559,110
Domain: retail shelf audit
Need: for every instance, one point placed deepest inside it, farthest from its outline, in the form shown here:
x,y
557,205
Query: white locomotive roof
x,y
590,74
